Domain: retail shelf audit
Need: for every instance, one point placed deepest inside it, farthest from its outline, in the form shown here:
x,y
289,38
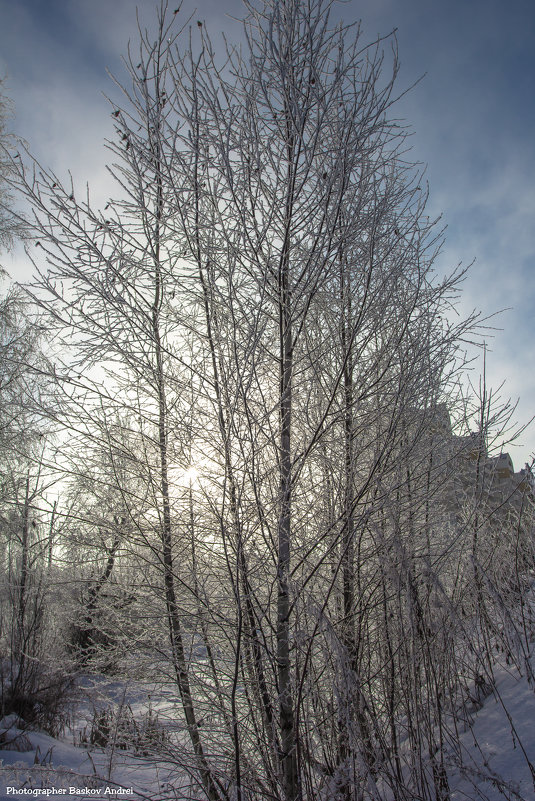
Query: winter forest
x,y
260,536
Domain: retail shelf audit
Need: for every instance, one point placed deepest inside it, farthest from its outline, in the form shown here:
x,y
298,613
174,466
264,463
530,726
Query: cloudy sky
x,y
473,116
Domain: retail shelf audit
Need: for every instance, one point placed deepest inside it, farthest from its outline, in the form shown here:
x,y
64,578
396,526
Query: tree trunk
x,y
290,779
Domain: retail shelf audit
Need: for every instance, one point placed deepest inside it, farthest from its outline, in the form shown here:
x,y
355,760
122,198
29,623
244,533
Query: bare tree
x,y
254,335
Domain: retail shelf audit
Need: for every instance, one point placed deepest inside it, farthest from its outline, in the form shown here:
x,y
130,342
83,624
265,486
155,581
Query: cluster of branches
x,y
253,356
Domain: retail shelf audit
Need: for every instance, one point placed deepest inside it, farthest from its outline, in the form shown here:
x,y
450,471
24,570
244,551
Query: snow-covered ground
x,y
92,773
80,769
497,749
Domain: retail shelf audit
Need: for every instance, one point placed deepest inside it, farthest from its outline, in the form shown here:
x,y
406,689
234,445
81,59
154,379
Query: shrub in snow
x,y
118,728
12,738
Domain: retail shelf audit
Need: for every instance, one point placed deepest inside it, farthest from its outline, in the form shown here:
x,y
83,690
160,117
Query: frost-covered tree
x,y
9,226
253,336
28,680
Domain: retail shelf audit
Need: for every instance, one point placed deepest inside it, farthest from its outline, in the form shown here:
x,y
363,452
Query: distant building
x,y
471,479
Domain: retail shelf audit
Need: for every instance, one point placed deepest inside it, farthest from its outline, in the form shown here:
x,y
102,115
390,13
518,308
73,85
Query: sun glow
x,y
191,475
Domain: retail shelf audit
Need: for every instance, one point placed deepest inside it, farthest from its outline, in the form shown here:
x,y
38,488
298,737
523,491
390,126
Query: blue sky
x,y
473,115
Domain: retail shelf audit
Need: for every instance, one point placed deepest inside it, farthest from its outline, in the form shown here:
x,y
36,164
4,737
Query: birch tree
x,y
259,305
